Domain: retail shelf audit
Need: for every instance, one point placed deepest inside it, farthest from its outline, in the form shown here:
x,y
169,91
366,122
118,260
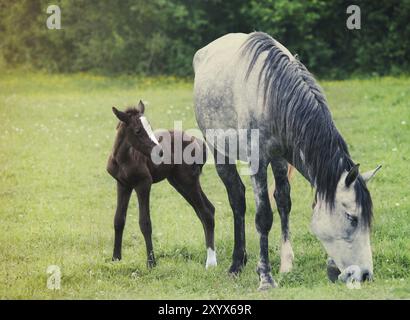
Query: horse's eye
x,y
353,219
138,131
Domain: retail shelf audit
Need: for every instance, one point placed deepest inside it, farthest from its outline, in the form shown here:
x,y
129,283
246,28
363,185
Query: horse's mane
x,y
303,119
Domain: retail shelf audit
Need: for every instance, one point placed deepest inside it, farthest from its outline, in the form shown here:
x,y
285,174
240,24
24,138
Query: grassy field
x,y
57,202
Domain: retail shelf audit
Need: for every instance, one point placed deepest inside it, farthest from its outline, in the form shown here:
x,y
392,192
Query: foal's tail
x,y
291,170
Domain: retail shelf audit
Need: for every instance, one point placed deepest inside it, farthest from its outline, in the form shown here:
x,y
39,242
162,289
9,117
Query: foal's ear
x,y
141,107
352,175
122,116
367,176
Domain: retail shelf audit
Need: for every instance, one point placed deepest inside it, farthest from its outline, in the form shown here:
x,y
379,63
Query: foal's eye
x,y
138,131
353,219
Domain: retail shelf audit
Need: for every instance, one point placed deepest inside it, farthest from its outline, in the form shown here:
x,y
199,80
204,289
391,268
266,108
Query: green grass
x,y
57,201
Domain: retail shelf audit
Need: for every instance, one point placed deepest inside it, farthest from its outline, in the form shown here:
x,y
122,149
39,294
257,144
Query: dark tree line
x,y
161,36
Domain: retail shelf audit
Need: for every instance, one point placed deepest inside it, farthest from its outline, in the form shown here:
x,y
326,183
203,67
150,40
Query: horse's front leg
x,y
123,198
143,192
263,221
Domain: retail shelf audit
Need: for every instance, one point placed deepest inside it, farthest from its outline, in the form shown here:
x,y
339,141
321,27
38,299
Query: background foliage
x,y
161,36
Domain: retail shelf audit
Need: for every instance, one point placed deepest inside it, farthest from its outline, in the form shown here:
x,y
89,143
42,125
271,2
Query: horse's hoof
x,y
286,258
265,286
266,282
116,259
285,268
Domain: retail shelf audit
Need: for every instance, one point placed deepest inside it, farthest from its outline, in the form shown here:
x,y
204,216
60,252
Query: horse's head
x,y
138,131
343,227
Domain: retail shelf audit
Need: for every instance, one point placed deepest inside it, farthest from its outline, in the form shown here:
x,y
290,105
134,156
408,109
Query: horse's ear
x,y
141,107
367,176
122,116
352,175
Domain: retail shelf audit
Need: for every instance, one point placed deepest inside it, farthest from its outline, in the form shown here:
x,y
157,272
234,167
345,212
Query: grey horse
x,y
252,82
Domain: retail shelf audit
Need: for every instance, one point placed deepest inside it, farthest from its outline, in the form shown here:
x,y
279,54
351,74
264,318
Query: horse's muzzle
x,y
333,271
350,273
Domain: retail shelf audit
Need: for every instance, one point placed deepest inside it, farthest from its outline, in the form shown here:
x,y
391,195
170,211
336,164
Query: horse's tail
x,y
291,170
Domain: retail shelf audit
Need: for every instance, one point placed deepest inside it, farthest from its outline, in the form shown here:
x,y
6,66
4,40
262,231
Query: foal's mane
x,y
303,119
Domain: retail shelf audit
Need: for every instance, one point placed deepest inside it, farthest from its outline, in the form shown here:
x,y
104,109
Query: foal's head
x,y
138,131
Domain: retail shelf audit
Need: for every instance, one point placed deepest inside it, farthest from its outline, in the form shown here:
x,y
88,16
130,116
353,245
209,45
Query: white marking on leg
x,y
211,258
148,129
286,257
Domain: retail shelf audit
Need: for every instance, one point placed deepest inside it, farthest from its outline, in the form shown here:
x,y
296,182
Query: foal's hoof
x,y
238,265
235,269
266,282
151,264
210,264
210,259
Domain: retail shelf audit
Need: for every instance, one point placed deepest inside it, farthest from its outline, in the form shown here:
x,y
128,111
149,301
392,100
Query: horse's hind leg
x,y
123,198
263,221
283,203
236,194
191,190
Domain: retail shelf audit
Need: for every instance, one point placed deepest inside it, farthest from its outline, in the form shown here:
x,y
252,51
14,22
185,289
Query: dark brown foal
x,y
132,165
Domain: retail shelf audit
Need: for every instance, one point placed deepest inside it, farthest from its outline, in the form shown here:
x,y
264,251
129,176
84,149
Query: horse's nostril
x,y
161,153
366,276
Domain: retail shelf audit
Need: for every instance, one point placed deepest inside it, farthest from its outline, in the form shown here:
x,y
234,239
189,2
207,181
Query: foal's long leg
x,y
208,219
284,204
143,192
193,194
123,198
263,221
236,194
